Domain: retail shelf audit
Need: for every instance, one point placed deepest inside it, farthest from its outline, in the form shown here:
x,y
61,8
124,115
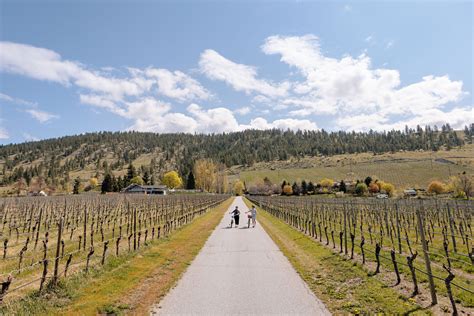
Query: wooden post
x,y
85,229
451,226
58,252
135,229
345,229
434,300
398,230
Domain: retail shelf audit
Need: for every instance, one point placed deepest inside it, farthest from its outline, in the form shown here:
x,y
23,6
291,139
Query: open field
x,y
45,240
403,169
380,236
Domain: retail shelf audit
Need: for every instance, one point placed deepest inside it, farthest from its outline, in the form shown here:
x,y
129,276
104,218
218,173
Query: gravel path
x,y
240,271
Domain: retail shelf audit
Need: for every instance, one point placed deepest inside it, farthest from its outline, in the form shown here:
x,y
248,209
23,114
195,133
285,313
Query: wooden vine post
x,y
58,249
434,300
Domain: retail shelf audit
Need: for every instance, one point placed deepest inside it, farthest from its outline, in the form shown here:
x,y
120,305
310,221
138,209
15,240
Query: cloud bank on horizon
x,y
348,91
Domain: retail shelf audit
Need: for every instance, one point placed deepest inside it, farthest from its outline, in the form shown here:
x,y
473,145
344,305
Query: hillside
x,y
250,155
404,169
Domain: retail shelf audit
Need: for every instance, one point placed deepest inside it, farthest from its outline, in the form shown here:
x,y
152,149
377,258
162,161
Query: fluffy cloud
x,y
41,116
241,77
178,85
213,120
283,124
357,93
243,111
348,91
44,64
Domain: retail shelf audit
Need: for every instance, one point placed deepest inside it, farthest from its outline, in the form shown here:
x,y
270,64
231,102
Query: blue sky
x,y
68,67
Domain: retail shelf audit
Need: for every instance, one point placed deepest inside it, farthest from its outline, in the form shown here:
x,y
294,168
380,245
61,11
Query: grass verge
x,y
130,283
343,285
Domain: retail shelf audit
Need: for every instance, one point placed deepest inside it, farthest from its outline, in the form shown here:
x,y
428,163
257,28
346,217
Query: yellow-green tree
x,y
172,180
388,188
137,180
239,187
93,182
205,173
326,183
221,179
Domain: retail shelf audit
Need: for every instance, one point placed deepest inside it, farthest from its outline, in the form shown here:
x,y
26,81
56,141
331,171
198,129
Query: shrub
x,y
326,183
361,189
436,187
388,188
374,188
287,190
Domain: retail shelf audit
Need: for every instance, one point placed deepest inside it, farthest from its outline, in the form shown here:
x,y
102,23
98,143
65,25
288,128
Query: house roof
x,y
157,187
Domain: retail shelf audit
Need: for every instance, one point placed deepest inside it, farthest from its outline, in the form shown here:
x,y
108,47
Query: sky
x,y
71,67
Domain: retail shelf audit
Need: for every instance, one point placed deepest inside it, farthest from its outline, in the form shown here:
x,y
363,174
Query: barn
x,y
146,189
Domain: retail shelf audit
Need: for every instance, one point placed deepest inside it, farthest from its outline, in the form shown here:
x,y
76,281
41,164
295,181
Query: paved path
x,y
240,272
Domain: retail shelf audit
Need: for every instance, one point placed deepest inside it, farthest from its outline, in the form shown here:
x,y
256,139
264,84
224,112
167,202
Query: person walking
x,y
253,214
236,214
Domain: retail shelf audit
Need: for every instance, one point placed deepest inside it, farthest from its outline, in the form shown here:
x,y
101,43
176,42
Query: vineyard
x,y
46,239
426,245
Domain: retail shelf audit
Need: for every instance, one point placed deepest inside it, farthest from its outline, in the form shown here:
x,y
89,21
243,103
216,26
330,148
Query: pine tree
x,y
304,187
146,177
77,185
191,183
107,185
367,181
310,189
131,173
296,189
342,186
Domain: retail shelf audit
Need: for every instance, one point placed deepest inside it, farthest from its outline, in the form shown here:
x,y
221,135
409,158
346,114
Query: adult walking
x,y
253,215
236,214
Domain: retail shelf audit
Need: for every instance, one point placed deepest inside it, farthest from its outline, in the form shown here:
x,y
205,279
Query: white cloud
x,y
243,111
178,85
215,120
41,116
283,124
354,90
44,64
349,91
18,101
239,76
347,8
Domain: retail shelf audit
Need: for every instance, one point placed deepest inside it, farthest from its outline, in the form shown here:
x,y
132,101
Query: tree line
x,y
53,160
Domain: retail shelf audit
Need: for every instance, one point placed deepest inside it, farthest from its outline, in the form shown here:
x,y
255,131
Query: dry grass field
x,y
403,169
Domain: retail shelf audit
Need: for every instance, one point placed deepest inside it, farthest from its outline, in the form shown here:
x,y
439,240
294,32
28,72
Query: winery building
x,y
146,189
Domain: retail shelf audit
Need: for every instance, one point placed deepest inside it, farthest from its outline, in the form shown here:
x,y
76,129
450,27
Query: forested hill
x,y
109,151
